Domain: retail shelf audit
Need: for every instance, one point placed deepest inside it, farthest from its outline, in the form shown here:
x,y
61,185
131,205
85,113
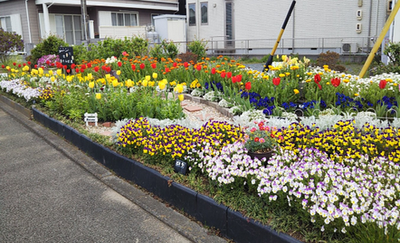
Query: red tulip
x,y
104,67
35,66
108,69
89,65
19,65
29,63
133,67
82,70
83,66
77,70
234,79
167,70
73,65
198,67
52,64
24,64
47,62
186,64
119,64
247,86
213,71
174,64
238,78
317,78
335,82
223,74
154,65
96,69
276,81
229,74
319,86
382,84
142,66
2,66
14,63
68,71
65,66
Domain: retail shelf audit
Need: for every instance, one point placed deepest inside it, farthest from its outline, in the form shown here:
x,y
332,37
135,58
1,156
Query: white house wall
x,y
254,19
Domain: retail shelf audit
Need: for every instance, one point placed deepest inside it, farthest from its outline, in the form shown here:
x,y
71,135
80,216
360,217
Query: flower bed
x,y
335,171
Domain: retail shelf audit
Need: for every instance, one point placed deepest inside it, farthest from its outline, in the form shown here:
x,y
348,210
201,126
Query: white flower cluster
x,y
18,88
111,60
340,195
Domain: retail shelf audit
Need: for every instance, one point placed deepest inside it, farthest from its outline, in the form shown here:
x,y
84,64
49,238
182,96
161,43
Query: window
x,y
5,23
69,28
204,13
192,14
124,19
229,23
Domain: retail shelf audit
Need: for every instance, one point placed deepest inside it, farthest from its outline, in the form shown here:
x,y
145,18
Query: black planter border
x,y
230,223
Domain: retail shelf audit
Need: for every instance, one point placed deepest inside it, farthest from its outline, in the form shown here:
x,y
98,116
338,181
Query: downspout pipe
x,y
28,21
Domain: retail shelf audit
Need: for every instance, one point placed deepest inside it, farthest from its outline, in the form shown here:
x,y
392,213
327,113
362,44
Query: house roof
x,y
144,4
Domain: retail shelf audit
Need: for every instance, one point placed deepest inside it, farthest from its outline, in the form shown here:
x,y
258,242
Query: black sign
x,y
180,167
66,55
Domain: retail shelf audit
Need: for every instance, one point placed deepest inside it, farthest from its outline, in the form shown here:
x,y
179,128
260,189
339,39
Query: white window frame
x,y
6,25
136,14
192,17
201,13
64,36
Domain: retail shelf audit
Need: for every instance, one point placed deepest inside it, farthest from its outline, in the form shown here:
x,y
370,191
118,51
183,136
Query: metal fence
x,y
220,45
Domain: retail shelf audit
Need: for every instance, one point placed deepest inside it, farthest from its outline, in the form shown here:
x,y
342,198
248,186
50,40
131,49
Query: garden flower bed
x,y
335,170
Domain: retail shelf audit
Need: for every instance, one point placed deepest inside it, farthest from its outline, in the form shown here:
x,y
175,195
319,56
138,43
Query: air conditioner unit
x,y
349,47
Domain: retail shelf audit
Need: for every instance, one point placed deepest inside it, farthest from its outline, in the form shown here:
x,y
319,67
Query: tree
x,y
9,42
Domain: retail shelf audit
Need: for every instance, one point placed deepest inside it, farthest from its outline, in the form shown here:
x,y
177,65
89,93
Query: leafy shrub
x,y
392,50
198,47
331,59
80,53
165,49
9,42
48,46
135,46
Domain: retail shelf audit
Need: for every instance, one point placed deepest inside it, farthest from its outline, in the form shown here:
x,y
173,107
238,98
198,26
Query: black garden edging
x,y
230,223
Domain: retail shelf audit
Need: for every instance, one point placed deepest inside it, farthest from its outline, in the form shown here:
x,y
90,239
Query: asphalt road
x,y
51,192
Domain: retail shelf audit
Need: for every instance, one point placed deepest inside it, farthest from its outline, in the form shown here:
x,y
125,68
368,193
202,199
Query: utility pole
x,y
84,20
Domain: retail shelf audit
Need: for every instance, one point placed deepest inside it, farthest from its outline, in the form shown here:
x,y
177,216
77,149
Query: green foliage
x,y
134,46
80,53
48,46
165,49
9,42
392,50
198,47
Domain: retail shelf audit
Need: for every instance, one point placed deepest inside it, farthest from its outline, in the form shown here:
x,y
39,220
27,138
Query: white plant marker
x,y
90,117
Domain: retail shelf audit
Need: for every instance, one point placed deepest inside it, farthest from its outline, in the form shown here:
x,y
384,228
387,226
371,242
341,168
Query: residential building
x,y
36,19
252,26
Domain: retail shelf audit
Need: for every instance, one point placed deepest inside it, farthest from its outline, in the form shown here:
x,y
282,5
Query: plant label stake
x,y
271,57
180,167
90,117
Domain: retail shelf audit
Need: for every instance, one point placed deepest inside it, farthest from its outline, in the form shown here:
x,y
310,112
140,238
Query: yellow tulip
x,y
181,97
91,85
147,77
115,83
179,88
161,85
52,79
144,83
155,75
118,72
129,83
296,91
50,72
98,96
89,76
59,72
